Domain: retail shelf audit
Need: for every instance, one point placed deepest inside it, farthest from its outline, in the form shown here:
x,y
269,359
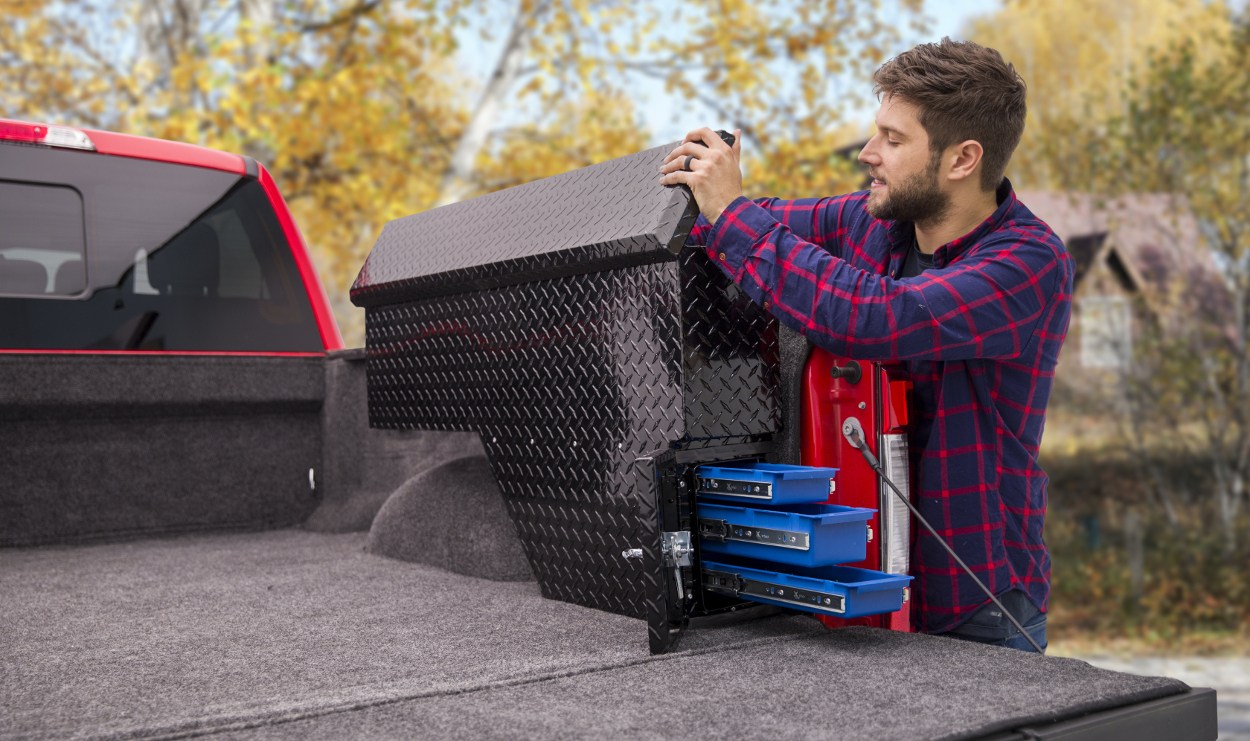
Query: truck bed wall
x,y
113,446
105,446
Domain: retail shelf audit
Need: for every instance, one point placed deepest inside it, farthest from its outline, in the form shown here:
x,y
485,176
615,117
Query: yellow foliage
x,y
594,129
816,163
1078,56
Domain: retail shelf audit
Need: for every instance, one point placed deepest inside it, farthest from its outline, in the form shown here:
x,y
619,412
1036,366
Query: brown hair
x,y
964,91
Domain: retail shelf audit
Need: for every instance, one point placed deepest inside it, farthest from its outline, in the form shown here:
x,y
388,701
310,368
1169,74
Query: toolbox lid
x,y
607,216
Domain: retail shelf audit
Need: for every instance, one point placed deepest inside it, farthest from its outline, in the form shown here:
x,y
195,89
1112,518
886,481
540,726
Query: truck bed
x,y
298,634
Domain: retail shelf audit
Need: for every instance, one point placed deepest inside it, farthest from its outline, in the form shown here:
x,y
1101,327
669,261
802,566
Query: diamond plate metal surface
x,y
569,381
729,357
557,320
610,215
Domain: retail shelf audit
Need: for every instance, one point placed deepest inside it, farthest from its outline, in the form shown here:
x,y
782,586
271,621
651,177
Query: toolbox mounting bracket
x,y
677,548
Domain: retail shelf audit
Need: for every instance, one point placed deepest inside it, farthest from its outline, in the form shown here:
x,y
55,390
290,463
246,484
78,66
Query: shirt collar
x,y
901,233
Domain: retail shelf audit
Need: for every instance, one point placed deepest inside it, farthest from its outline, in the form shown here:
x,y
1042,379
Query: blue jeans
x,y
988,625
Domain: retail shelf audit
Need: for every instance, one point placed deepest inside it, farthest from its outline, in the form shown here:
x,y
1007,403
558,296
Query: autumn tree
x,y
1136,97
349,104
1077,57
1186,132
766,68
360,112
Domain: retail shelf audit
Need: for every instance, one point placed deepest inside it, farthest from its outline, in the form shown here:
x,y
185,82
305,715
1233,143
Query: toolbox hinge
x,y
677,550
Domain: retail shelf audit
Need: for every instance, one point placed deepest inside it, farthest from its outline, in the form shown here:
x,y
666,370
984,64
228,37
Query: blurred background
x,y
1137,152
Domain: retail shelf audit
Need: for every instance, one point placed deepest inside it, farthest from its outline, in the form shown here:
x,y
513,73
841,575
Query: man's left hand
x,y
714,176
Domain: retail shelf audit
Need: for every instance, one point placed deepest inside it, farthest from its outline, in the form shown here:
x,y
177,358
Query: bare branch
x,y
347,16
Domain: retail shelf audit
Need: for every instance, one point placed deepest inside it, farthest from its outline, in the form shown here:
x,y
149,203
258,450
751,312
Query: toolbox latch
x,y
713,529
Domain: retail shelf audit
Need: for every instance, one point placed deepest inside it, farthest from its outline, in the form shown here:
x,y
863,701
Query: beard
x,y
917,199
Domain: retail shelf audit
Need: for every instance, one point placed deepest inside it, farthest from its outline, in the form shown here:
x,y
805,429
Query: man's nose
x,y
868,155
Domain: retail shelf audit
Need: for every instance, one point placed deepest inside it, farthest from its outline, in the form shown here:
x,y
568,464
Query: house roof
x,y
1153,236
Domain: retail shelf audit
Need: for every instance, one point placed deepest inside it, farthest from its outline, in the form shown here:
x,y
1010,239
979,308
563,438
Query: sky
x,y
669,117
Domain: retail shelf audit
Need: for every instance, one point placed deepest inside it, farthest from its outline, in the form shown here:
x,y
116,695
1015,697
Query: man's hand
x,y
715,177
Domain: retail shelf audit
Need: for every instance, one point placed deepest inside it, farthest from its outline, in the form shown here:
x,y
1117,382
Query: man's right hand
x,y
715,176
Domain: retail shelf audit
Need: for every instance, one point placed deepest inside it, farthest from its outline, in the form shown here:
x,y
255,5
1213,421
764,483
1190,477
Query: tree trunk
x,y
166,29
458,177
261,15
1224,502
1135,544
1225,488
1132,411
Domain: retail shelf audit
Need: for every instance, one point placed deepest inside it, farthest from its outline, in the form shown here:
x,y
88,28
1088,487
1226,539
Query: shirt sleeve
x,y
823,222
986,305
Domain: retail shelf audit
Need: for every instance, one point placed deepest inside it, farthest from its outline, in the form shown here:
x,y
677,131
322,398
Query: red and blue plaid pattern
x,y
980,334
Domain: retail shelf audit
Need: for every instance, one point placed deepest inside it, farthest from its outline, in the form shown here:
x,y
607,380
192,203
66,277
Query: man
x,y
940,266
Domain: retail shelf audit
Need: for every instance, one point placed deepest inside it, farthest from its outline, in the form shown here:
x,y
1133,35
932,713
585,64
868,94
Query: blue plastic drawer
x,y
799,534
843,591
765,483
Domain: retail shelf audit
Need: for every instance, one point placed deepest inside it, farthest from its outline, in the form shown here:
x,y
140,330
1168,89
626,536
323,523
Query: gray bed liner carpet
x,y
297,634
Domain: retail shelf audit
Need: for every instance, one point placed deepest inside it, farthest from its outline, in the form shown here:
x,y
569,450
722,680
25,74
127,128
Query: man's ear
x,y
963,158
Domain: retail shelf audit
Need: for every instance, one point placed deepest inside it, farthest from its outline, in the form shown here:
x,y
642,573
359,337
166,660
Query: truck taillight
x,y
52,136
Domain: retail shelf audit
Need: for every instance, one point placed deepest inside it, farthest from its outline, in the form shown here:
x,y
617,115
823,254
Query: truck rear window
x,y
226,282
41,244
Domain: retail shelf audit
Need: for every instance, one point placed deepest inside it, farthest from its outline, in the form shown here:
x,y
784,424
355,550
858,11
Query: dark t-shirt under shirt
x,y
916,261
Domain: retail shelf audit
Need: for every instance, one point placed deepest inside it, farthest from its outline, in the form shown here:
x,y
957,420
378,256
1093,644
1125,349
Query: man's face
x,y
906,184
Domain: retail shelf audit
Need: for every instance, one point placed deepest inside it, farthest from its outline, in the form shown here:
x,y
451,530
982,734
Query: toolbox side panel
x,y
578,337
569,381
730,356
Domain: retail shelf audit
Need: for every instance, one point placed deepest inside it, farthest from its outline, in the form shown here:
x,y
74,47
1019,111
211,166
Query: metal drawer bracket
x,y
721,531
723,581
726,582
729,487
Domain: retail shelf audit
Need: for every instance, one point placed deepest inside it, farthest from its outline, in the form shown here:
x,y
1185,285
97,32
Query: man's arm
x,y
824,222
984,306
715,178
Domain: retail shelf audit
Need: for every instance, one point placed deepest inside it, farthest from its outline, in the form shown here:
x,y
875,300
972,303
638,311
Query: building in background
x,y
1139,259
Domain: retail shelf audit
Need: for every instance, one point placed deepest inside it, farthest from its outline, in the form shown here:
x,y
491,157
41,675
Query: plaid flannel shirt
x,y
980,335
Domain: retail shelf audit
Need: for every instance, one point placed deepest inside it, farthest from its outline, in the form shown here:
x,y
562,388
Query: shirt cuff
x,y
741,226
